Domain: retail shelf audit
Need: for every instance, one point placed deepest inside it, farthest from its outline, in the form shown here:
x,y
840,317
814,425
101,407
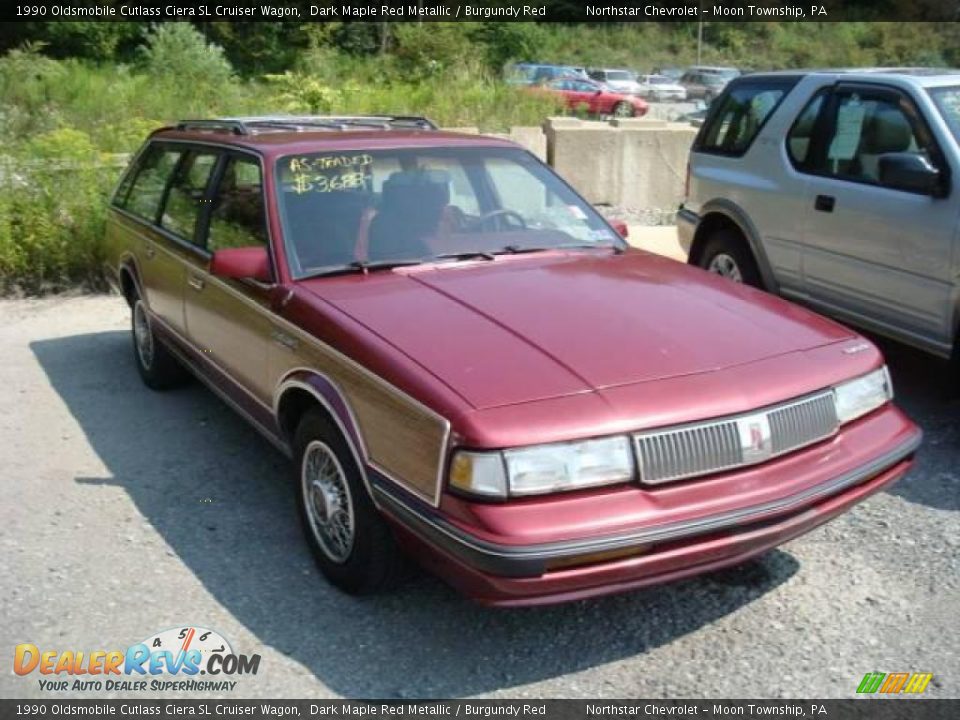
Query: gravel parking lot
x,y
127,512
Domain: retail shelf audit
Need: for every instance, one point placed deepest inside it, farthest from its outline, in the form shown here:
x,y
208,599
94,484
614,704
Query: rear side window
x,y
741,114
143,194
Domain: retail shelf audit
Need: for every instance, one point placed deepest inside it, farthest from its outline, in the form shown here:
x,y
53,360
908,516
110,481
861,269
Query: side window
x,y
864,128
145,192
800,136
187,193
738,120
237,218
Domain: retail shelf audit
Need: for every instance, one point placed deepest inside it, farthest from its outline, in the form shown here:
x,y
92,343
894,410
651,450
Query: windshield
x,y
346,208
948,101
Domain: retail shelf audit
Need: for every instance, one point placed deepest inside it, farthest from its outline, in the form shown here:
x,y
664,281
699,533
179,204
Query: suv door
x,y
229,320
876,254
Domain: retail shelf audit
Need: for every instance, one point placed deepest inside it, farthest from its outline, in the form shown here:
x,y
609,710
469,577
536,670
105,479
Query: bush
x,y
177,50
52,213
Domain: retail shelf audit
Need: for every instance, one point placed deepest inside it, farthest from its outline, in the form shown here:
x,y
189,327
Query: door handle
x,y
196,283
824,203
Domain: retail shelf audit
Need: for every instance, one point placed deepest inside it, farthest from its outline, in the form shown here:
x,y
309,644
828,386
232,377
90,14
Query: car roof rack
x,y
306,123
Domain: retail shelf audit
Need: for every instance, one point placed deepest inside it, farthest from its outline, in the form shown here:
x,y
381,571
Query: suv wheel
x,y
725,253
157,366
352,545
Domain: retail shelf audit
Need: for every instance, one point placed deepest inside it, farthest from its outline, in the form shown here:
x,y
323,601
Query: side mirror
x,y
908,171
621,227
242,263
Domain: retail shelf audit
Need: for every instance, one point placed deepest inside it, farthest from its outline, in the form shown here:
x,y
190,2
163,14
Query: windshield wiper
x,y
364,266
367,265
465,255
519,249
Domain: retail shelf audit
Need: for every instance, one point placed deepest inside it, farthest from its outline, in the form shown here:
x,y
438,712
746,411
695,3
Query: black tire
x,y
158,368
726,246
373,562
623,109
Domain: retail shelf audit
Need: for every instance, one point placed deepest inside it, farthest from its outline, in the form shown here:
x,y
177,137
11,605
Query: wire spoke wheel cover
x,y
142,335
725,265
328,502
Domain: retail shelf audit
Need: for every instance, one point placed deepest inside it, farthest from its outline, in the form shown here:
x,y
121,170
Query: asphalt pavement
x,y
126,512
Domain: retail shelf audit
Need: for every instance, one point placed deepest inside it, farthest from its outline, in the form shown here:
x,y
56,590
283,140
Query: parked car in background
x,y
595,419
702,85
674,73
594,98
661,88
838,189
618,80
538,74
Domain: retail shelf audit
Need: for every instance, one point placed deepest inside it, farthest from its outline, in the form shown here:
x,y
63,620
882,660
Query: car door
x,y
873,253
592,96
229,320
157,260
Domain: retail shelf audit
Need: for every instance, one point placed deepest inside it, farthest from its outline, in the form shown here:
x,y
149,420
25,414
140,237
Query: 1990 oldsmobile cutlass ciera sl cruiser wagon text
x,y
469,366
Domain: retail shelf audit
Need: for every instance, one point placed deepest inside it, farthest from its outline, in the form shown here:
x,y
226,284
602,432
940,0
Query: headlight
x,y
867,392
543,468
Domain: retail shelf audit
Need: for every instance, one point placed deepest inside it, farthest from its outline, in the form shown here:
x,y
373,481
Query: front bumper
x,y
496,571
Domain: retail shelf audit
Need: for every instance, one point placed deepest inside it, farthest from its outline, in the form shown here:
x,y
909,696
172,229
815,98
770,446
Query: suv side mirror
x,y
242,263
908,171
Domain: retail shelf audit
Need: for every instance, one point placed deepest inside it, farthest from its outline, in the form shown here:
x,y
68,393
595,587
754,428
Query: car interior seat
x,y
411,206
886,131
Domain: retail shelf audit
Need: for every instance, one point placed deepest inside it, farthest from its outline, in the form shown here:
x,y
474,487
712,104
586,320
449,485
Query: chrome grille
x,y
690,451
726,443
802,423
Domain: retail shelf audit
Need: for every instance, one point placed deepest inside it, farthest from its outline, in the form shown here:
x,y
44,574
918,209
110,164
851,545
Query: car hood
x,y
526,328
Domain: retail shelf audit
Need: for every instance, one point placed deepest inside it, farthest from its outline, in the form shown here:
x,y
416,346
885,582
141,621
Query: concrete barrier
x,y
635,164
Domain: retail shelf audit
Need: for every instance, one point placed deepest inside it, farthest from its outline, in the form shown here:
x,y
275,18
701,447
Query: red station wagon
x,y
466,362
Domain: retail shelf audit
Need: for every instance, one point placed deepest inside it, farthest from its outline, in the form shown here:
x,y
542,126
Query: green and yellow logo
x,y
893,683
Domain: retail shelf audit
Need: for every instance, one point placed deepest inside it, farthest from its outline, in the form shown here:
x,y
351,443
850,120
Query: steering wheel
x,y
484,220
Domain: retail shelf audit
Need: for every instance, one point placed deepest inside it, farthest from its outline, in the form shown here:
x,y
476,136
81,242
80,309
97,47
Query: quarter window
x,y
143,196
237,216
188,194
741,115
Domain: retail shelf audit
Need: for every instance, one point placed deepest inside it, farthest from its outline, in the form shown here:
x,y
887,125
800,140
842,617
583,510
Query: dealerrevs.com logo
x,y
192,659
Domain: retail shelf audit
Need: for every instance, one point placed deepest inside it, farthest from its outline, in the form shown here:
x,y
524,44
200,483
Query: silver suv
x,y
838,189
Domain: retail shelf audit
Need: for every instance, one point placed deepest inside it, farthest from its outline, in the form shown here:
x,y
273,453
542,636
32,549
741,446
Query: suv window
x,y
948,101
237,217
187,193
800,137
142,196
741,114
864,127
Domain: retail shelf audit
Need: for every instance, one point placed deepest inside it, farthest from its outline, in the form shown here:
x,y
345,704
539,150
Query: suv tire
x,y
157,366
351,543
725,253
